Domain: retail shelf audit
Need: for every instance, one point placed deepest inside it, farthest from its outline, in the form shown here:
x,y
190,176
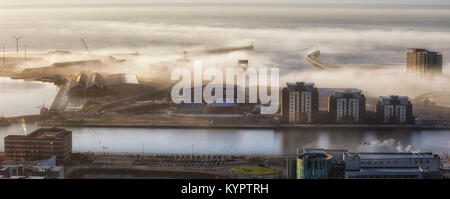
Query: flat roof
x,y
41,133
122,79
130,79
315,156
393,170
47,134
326,150
393,155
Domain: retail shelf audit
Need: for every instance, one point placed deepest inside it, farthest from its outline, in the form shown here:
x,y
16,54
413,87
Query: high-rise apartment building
x,y
347,106
422,62
394,110
300,102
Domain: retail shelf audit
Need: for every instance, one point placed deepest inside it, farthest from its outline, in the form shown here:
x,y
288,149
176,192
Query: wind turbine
x,y
17,42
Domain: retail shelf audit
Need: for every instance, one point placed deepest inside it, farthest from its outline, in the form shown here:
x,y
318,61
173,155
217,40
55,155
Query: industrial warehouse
x,y
96,85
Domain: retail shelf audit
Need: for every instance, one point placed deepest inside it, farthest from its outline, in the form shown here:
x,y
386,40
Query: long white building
x,y
389,165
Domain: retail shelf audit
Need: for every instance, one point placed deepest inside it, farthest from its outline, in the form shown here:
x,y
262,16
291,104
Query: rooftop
x,y
394,99
300,86
392,155
42,133
325,150
122,79
353,93
315,156
130,79
415,50
393,170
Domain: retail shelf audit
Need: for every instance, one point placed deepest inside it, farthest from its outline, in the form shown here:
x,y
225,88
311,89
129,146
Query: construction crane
x,y
85,45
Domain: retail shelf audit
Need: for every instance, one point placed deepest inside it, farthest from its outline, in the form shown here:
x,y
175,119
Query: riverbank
x,y
81,119
237,141
43,121
237,126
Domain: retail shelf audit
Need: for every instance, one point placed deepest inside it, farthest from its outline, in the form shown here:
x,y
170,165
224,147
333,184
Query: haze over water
x,y
19,97
245,141
353,32
349,33
357,33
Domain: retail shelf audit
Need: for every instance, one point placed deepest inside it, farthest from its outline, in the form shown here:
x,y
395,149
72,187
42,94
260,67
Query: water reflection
x,y
232,141
19,97
436,141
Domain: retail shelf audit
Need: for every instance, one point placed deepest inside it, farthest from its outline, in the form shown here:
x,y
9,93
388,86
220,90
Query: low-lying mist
x,y
159,45
380,82
374,82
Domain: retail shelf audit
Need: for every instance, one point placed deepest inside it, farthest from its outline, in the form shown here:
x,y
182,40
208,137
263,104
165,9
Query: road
x,y
61,99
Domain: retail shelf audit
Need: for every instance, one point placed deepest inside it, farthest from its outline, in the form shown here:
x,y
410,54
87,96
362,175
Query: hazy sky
x,y
338,31
235,1
350,32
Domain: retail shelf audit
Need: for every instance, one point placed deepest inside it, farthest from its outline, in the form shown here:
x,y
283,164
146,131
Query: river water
x,y
23,97
245,141
19,97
